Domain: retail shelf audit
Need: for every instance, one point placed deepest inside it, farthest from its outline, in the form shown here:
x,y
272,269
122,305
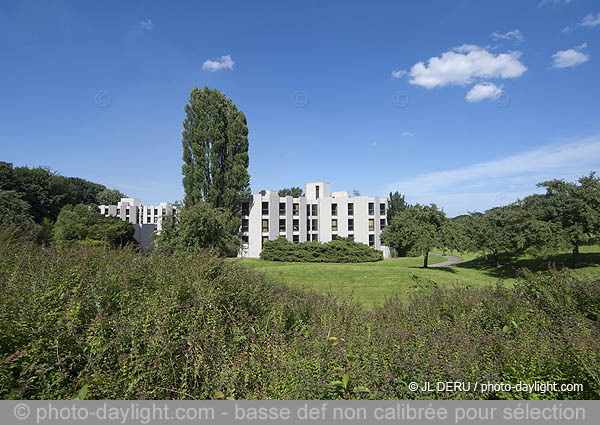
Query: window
x,y
333,209
307,209
351,235
264,239
315,237
164,212
281,225
245,239
155,219
265,226
317,192
333,237
371,225
245,208
334,225
350,224
155,211
127,211
314,209
296,209
371,208
308,224
350,209
296,225
371,240
245,225
282,208
381,223
381,209
314,225
118,211
265,208
295,238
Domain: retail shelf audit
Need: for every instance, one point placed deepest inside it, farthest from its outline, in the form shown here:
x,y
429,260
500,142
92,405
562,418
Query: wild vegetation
x,y
340,250
93,322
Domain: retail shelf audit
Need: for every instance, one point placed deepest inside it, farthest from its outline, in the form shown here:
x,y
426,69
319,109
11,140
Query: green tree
x,y
295,192
575,210
85,223
215,151
396,204
14,210
496,232
418,227
200,226
109,197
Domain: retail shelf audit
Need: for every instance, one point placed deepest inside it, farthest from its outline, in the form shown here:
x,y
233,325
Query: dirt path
x,y
451,260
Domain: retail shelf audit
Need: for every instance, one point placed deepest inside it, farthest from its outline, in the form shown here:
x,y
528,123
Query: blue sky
x,y
467,104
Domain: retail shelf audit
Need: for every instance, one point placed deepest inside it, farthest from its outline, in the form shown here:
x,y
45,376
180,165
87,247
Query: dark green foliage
x,y
575,210
215,151
416,227
14,210
45,191
199,227
109,197
124,325
295,192
340,250
83,223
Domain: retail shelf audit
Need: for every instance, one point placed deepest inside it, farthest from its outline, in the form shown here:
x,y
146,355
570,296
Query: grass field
x,y
373,283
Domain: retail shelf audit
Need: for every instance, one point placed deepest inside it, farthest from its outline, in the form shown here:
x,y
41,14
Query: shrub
x,y
118,324
341,250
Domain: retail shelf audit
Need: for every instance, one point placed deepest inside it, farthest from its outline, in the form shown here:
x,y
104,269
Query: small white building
x,y
320,215
146,219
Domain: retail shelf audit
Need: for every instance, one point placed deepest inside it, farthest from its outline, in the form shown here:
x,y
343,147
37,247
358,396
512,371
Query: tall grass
x,y
101,323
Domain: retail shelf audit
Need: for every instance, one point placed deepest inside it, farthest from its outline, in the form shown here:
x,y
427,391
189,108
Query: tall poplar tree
x,y
215,151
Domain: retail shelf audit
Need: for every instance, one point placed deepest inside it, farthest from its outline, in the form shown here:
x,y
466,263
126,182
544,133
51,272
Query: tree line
x,y
57,209
566,216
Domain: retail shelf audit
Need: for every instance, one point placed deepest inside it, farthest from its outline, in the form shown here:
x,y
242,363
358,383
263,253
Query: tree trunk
x,y
497,259
576,256
425,259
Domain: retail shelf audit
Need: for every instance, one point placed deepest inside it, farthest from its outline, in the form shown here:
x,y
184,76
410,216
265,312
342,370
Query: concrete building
x,y
320,215
146,219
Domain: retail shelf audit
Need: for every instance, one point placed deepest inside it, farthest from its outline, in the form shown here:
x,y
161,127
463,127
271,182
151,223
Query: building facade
x,y
320,215
146,219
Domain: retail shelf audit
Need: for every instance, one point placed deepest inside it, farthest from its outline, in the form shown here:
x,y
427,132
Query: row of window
x,y
309,237
311,224
310,209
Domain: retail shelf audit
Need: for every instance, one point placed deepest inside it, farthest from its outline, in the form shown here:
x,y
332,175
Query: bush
x,y
117,324
341,250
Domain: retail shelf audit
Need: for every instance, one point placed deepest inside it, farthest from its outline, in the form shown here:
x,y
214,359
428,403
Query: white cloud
x,y
224,63
543,2
486,184
399,74
484,91
407,134
515,35
464,65
147,25
590,20
571,57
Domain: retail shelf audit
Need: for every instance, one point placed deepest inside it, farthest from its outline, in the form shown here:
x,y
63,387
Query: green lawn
x,y
372,283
